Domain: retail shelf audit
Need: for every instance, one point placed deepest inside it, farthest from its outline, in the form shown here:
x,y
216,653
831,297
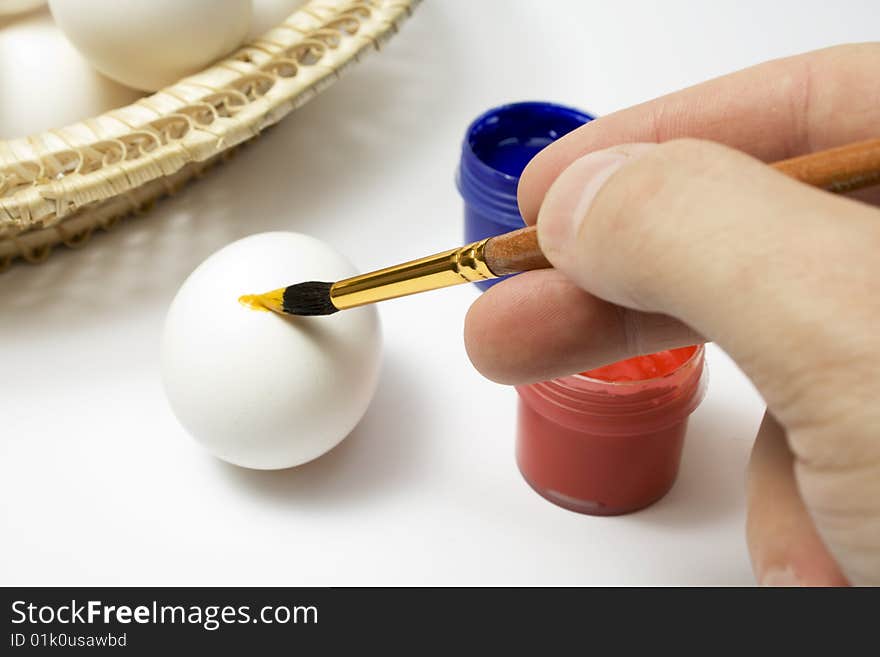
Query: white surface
x,y
100,485
257,389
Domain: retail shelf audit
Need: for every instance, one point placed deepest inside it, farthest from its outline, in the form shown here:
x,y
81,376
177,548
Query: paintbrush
x,y
841,169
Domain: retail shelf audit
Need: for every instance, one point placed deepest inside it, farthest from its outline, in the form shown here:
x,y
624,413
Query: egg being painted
x,y
258,389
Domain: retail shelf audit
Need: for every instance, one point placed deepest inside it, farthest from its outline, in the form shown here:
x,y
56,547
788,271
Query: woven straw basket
x,y
57,187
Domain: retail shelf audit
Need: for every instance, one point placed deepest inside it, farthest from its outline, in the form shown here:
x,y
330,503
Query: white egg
x,y
10,7
269,13
150,44
261,390
45,83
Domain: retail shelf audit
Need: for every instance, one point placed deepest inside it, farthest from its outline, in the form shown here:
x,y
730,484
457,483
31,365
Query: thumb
x,y
744,255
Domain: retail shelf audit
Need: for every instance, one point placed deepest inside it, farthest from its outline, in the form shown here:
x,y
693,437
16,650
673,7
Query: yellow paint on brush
x,y
273,300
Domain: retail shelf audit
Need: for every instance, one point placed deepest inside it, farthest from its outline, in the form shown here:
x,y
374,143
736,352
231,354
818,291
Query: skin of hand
x,y
665,229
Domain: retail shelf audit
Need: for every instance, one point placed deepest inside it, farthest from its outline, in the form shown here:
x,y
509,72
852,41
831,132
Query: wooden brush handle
x,y
838,170
841,169
514,252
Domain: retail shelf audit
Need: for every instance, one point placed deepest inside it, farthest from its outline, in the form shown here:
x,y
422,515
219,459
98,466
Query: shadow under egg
x,y
375,459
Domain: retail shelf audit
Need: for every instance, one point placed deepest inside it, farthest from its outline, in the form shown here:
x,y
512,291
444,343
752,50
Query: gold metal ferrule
x,y
463,265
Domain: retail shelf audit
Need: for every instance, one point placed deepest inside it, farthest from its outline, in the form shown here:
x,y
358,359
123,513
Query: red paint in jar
x,y
609,441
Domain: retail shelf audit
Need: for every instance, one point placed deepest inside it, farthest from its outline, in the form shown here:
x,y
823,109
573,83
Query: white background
x,y
99,484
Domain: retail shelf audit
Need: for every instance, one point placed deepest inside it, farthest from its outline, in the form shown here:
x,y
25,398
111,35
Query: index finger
x,y
772,111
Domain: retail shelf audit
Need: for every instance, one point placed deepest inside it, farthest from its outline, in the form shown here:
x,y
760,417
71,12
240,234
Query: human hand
x,y
661,245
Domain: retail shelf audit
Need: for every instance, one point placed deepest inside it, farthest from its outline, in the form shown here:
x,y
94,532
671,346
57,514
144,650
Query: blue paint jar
x,y
497,147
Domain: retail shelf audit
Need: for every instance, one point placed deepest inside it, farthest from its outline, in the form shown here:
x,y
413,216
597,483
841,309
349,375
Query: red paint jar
x,y
609,441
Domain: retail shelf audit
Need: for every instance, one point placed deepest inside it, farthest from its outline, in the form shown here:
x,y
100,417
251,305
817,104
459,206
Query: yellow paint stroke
x,y
253,302
273,300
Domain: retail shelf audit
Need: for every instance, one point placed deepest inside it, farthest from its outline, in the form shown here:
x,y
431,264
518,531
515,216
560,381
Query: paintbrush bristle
x,y
311,298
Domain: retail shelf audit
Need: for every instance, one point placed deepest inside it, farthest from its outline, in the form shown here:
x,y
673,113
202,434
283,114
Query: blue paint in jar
x,y
497,147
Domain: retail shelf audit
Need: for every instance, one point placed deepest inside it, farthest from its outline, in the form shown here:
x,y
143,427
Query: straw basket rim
x,y
59,186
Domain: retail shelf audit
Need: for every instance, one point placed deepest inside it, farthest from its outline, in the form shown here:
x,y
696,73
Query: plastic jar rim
x,y
466,145
671,405
699,352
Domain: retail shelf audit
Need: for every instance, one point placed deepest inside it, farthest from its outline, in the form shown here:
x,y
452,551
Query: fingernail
x,y
569,199
780,577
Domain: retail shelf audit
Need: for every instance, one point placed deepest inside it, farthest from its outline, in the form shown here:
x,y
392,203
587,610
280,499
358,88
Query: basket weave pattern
x,y
57,187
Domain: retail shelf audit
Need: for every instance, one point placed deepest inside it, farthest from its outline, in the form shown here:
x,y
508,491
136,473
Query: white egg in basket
x,y
150,44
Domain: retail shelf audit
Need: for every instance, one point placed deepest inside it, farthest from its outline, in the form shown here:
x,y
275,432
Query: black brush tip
x,y
308,299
